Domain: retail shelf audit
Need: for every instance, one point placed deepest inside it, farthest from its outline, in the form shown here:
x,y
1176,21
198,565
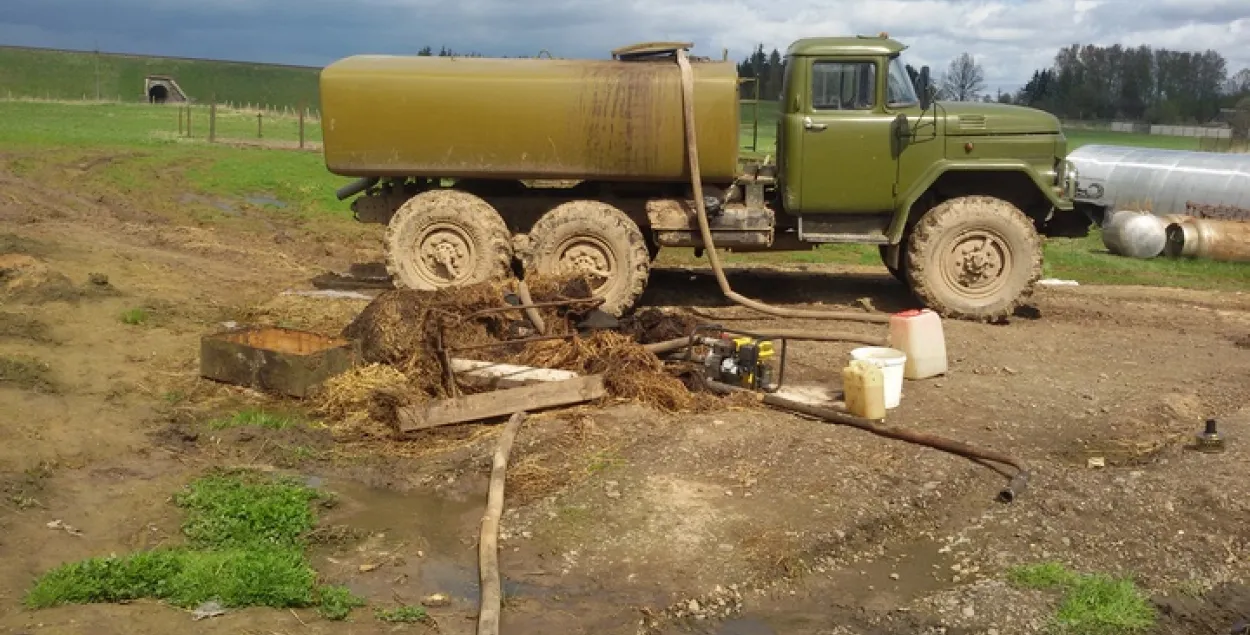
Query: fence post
x,y
212,120
301,125
188,120
259,126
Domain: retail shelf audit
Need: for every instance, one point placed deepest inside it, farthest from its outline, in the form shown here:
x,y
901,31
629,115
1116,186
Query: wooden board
x,y
499,403
497,375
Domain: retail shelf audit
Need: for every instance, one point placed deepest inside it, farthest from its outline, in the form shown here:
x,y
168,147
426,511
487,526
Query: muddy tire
x,y
974,258
598,239
447,238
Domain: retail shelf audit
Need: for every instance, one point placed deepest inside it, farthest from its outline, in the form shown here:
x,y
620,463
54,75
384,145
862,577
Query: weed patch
x,y
27,373
402,614
1093,604
254,417
246,538
337,602
134,317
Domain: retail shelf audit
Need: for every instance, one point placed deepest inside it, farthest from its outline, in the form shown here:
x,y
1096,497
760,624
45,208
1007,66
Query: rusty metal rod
x,y
525,340
1014,488
696,184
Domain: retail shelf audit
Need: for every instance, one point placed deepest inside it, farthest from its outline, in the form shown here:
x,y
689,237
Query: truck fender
x,y
940,168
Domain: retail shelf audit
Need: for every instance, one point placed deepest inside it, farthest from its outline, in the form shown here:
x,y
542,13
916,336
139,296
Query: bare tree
x,y
964,79
1238,84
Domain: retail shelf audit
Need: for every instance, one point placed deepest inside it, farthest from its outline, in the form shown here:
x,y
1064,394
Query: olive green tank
x,y
609,120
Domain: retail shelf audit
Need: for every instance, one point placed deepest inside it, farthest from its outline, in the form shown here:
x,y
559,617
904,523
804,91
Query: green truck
x,y
485,168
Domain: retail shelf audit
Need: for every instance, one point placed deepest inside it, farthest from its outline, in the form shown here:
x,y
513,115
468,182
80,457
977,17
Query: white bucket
x,y
891,361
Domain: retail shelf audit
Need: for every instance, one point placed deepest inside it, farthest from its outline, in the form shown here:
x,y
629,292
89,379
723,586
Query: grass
x,y
51,74
401,614
1092,604
134,317
254,417
245,546
139,156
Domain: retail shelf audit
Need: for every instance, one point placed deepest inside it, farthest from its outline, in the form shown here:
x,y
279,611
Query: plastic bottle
x,y
863,387
918,333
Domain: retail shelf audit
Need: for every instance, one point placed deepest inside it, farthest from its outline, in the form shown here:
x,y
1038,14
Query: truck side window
x,y
844,85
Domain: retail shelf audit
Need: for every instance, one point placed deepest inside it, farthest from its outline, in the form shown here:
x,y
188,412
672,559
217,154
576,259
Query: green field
x,y
72,75
150,162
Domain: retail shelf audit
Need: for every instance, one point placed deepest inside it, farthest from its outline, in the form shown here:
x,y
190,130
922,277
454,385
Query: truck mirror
x,y
900,135
926,96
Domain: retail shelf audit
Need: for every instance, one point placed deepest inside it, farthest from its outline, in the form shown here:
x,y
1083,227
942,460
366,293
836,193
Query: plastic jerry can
x,y
918,333
863,386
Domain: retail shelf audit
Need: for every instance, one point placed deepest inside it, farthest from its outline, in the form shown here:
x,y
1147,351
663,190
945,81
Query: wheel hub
x,y
590,256
444,253
977,261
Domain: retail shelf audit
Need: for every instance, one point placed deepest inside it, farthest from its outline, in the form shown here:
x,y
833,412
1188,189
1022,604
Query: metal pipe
x,y
696,184
355,187
1223,240
523,292
1016,486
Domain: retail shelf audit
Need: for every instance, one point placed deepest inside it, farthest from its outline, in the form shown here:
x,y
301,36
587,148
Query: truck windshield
x,y
902,92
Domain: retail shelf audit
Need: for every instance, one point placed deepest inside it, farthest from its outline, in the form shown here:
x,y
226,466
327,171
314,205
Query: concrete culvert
x,y
157,94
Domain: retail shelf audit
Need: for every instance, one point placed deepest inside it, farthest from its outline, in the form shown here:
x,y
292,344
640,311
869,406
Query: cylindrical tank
x,y
1134,234
1225,240
525,118
1164,181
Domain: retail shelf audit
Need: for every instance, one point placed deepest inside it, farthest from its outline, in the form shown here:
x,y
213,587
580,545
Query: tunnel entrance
x,y
163,89
157,94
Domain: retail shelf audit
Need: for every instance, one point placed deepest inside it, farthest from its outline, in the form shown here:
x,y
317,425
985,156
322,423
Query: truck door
x,y
847,165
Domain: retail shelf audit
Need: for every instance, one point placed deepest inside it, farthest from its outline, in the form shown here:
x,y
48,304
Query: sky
x,y
1010,38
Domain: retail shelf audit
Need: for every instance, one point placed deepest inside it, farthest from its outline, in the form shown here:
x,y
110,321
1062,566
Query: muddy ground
x,y
622,519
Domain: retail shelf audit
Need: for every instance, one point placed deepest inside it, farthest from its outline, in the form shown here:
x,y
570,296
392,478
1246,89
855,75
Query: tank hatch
x,y
649,49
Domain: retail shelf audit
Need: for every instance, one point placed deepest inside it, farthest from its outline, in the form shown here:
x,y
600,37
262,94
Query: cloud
x,y
1010,38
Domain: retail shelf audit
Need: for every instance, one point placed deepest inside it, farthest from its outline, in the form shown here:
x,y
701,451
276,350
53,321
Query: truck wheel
x,y
974,257
446,238
598,239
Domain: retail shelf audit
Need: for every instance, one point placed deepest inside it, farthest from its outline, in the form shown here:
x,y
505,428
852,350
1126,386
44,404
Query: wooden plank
x,y
496,375
498,403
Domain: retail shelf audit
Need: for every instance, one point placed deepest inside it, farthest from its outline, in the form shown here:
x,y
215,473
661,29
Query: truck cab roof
x,y
855,45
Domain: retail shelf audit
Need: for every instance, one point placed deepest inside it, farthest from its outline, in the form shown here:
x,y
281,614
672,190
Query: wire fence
x,y
299,128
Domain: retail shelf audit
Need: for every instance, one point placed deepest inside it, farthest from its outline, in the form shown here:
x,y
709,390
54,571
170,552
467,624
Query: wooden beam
x,y
497,375
488,405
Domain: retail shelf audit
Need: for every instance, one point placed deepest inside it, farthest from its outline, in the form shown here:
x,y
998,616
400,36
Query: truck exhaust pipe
x,y
355,187
696,183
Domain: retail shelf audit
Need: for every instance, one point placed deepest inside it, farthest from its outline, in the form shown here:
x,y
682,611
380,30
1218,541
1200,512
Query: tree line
x,y
1089,82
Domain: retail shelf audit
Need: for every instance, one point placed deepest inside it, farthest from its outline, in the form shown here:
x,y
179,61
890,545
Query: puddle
x,y
221,205
263,200
429,542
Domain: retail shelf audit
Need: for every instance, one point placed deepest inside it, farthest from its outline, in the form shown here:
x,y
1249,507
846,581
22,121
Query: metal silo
x,y
1208,184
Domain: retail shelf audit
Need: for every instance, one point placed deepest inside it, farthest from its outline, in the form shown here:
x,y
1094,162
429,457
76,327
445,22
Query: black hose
x,y
1015,487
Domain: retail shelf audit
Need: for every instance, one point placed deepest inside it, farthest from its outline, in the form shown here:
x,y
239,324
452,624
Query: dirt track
x,y
804,528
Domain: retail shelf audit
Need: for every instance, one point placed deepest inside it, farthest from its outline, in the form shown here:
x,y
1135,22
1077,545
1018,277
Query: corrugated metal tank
x,y
525,118
1119,177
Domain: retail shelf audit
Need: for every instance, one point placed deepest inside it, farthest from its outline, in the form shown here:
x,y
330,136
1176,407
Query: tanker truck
x,y
485,168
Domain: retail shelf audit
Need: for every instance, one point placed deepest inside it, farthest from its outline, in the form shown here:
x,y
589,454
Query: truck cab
x,y
863,157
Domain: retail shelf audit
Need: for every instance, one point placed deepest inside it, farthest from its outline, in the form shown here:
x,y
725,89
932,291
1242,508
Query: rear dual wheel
x,y
597,239
447,238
